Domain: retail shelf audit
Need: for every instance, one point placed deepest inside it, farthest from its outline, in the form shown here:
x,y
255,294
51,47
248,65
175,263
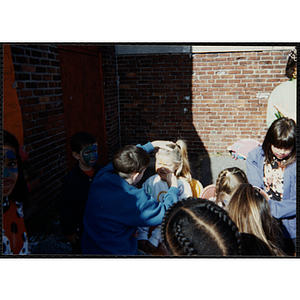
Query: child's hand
x,y
171,179
163,144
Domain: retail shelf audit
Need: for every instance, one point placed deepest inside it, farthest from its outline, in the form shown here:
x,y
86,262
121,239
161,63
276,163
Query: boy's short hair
x,y
130,159
80,140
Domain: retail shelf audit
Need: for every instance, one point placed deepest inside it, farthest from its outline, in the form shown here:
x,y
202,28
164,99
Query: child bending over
x,y
115,207
173,160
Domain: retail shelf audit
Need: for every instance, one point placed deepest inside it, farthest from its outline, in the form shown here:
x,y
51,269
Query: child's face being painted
x,y
87,156
10,170
281,153
164,165
90,154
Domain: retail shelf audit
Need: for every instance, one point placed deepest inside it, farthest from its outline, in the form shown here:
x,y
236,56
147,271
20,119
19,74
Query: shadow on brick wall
x,y
155,94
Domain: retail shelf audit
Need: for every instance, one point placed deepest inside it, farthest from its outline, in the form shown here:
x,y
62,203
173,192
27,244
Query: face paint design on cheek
x,y
90,155
11,166
95,149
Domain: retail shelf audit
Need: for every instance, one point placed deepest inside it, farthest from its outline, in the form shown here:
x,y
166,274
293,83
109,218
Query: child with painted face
x,y
272,167
76,186
173,161
15,193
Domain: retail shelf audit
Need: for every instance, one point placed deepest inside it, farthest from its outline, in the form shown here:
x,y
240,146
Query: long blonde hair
x,y
250,211
179,156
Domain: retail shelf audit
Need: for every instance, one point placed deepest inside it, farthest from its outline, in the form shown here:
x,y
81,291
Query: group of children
x,y
253,214
103,212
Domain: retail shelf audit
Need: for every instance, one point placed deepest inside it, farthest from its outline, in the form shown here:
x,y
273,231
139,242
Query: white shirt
x,y
284,95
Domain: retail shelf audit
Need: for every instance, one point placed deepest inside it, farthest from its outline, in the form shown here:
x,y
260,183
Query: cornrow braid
x,y
194,226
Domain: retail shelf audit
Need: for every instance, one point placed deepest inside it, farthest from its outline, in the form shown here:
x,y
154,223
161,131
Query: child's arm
x,y
152,212
149,147
254,170
284,208
162,144
155,236
143,233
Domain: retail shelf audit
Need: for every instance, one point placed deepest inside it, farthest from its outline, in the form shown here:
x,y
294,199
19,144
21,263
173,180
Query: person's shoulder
x,y
256,151
284,86
98,167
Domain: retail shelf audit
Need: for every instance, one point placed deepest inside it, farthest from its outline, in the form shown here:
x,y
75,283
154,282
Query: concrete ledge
x,y
176,49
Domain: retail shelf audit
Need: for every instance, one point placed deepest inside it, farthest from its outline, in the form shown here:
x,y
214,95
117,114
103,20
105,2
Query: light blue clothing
x,y
284,209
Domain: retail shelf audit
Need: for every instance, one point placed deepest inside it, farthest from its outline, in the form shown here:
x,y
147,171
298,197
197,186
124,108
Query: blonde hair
x,y
250,211
180,159
227,182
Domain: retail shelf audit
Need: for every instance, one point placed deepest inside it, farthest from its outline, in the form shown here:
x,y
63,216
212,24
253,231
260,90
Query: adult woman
x,y
283,98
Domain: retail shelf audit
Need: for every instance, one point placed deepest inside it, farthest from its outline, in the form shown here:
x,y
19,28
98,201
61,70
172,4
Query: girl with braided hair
x,y
227,182
195,226
250,211
174,160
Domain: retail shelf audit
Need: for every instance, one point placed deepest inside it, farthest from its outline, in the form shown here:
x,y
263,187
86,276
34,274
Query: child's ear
x,y
135,176
76,155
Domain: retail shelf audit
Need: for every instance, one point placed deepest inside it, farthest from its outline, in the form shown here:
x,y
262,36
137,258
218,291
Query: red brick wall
x,y
230,95
40,96
211,100
110,87
39,91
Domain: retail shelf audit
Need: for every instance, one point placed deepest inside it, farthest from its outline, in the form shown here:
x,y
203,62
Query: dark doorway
x,y
83,100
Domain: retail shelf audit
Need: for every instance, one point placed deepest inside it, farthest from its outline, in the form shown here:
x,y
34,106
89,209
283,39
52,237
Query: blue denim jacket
x,y
286,208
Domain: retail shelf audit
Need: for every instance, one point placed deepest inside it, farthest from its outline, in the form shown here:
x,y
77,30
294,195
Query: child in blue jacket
x,y
115,207
272,167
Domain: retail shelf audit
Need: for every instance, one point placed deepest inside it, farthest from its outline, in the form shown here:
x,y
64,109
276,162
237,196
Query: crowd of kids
x,y
102,212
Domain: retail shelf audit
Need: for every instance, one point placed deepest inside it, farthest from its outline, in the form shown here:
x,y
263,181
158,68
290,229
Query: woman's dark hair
x,y
129,160
291,64
195,226
281,134
20,192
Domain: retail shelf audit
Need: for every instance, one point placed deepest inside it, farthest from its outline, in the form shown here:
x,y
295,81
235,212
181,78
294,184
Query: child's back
x,y
115,208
